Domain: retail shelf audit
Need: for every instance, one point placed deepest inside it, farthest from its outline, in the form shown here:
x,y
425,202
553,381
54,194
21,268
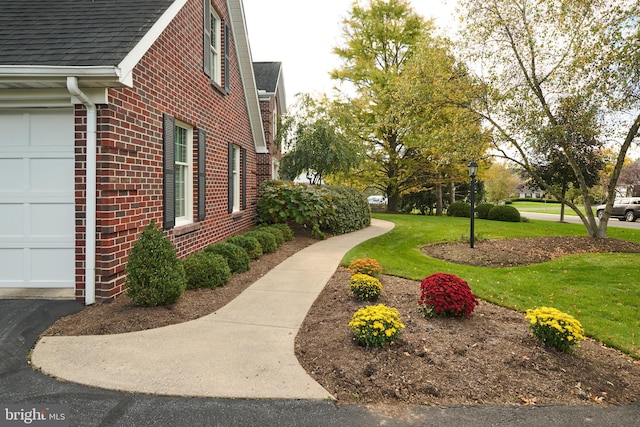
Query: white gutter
x,y
90,227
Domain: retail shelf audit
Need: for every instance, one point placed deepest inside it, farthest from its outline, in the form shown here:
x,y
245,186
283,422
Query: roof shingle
x,y
74,32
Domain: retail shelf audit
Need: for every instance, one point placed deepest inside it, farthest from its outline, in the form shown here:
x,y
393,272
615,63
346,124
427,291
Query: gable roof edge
x,y
129,62
241,38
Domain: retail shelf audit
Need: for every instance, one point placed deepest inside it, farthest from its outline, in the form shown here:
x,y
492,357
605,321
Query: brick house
x,y
114,113
270,84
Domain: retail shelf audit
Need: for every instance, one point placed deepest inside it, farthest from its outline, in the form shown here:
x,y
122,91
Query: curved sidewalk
x,y
243,350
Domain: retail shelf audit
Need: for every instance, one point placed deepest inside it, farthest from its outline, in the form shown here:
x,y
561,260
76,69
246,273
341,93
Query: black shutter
x,y
169,172
202,174
243,161
230,159
207,39
227,54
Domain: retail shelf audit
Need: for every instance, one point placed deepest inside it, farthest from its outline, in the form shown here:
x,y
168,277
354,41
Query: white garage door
x,y
37,199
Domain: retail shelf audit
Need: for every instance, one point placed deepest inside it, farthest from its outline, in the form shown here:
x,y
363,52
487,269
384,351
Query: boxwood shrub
x,y
287,232
276,231
155,274
267,240
504,213
482,210
237,258
206,270
248,243
459,209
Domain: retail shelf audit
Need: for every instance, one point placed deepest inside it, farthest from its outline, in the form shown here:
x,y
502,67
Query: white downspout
x,y
90,227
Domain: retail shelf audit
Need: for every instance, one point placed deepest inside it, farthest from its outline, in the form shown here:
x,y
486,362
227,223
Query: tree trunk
x,y
439,199
452,191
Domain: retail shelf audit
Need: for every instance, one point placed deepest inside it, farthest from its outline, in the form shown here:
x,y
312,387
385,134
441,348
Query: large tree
x,y
313,142
379,39
531,54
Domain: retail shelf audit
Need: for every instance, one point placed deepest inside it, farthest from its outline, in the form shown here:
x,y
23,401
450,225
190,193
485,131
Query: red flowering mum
x,y
446,294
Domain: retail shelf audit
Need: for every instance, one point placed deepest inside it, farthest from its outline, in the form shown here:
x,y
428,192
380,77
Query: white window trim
x,y
216,48
188,185
236,178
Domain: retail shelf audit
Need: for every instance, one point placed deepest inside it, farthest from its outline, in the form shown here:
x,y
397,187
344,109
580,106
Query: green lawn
x,y
547,208
600,290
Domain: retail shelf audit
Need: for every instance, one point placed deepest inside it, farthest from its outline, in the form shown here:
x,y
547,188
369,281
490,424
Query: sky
x,y
302,34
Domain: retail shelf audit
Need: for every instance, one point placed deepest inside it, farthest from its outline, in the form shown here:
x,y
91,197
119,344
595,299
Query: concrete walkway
x,y
243,350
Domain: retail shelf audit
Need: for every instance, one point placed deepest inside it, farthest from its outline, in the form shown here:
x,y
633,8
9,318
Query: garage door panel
x,y
11,220
49,220
12,266
14,128
51,265
41,124
12,174
37,205
51,174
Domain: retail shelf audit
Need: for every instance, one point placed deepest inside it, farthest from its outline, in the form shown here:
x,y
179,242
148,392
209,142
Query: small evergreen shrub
x,y
237,258
365,287
482,210
375,326
504,213
459,209
276,231
248,243
286,231
155,274
555,328
446,294
365,266
267,240
206,270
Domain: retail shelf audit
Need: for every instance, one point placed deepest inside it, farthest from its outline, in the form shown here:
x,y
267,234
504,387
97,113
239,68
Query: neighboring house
x,y
114,113
270,83
526,192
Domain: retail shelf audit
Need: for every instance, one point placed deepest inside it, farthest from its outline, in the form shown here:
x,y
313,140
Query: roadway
x,y
576,220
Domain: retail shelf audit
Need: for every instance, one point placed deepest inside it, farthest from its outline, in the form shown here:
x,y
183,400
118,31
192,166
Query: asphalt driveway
x,y
22,321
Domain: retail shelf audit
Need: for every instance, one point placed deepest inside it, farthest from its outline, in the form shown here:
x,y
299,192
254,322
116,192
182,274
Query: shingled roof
x,y
267,75
74,32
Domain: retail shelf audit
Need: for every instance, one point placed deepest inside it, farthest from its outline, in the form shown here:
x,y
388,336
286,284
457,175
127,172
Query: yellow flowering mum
x,y
376,325
365,287
555,328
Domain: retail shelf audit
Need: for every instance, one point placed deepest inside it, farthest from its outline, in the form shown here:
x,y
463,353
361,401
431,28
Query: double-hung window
x,y
183,173
179,173
237,178
216,48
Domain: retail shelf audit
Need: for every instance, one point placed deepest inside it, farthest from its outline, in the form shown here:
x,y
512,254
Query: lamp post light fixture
x,y
473,171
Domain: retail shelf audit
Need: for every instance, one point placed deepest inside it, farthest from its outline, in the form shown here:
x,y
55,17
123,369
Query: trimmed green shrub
x,y
155,274
206,270
459,209
286,231
482,210
504,213
248,243
266,239
351,210
237,258
277,233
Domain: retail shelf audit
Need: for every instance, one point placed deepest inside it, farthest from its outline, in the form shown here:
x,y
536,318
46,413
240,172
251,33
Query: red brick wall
x,y
169,79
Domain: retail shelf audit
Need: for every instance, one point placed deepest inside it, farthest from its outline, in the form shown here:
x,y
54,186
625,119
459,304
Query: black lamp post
x,y
473,170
